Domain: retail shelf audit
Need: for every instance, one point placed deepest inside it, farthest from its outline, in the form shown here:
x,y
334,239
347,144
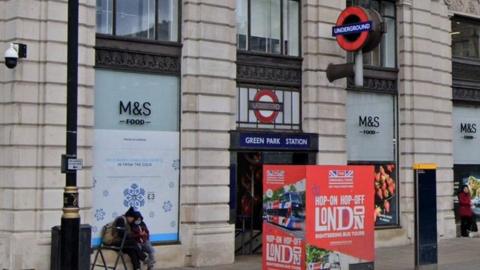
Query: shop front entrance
x,y
249,152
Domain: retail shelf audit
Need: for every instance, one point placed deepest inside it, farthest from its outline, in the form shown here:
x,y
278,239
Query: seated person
x,y
130,246
141,234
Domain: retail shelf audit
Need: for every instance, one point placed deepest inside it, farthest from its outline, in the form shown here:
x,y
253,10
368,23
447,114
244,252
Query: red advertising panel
x,y
339,217
284,217
318,217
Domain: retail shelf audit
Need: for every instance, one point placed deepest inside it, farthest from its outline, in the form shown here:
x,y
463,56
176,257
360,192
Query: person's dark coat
x,y
140,231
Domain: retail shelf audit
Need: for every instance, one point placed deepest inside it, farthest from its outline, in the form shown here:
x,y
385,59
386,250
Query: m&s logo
x,y
135,109
468,128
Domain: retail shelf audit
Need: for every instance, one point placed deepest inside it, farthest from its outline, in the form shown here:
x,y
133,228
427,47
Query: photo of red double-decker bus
x,y
288,211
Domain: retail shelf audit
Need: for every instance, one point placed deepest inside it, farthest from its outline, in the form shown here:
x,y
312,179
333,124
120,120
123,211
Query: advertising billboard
x,y
340,220
318,217
284,217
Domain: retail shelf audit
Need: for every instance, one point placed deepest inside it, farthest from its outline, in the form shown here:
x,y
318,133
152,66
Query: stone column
x,y
208,114
425,106
323,102
32,126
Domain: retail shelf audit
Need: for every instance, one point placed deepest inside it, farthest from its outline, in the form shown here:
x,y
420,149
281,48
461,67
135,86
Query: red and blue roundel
x,y
352,28
268,100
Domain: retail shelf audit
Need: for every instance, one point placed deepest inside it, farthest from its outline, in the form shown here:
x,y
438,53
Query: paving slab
x,y
453,254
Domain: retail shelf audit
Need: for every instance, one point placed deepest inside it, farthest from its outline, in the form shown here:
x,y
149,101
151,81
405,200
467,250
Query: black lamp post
x,y
70,225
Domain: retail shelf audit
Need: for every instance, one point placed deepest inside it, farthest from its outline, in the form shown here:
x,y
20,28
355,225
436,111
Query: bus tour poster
x,y
284,217
318,217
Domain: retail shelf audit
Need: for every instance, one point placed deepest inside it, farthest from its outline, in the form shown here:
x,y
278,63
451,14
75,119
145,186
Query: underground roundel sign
x,y
358,29
265,106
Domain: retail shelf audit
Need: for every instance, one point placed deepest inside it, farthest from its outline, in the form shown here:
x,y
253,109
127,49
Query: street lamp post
x,y
70,225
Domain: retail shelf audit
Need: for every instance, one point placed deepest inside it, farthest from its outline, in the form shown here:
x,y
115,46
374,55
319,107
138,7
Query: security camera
x,y
15,51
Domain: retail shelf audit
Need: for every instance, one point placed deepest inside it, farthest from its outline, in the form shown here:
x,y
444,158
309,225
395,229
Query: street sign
x,y
358,29
353,28
266,106
75,164
70,165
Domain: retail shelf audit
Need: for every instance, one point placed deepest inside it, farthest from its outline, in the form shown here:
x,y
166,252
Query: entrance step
x,y
248,242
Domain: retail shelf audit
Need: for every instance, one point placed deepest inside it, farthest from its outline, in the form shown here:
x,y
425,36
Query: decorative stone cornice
x,y
269,70
271,75
465,71
464,6
136,61
377,79
375,85
466,94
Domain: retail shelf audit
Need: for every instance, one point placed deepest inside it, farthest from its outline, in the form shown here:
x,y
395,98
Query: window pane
x,y
265,26
291,27
167,20
388,45
388,9
465,36
275,27
466,143
375,56
136,147
136,18
104,16
158,93
370,127
242,24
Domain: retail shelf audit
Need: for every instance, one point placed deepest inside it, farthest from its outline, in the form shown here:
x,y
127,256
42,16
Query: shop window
x,y
144,19
467,175
268,108
371,137
385,54
466,152
466,141
137,150
269,26
465,38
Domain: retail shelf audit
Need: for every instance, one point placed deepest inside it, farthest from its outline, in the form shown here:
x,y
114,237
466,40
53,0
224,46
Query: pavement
x,y
453,254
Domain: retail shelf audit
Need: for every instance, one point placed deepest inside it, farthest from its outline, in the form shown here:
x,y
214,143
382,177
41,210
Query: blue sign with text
x,y
353,28
275,141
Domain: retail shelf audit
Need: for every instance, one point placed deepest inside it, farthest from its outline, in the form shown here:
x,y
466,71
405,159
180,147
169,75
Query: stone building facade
x,y
208,70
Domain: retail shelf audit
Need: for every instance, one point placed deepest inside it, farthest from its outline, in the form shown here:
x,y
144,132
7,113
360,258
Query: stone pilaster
x,y
323,102
208,114
32,126
425,106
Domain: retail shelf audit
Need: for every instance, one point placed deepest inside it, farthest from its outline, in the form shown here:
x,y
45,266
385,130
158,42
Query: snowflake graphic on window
x,y
99,214
94,229
151,214
94,184
171,184
176,164
167,206
105,193
134,196
173,224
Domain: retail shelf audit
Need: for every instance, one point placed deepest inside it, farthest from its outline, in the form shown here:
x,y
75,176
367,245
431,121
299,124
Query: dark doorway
x,y
249,193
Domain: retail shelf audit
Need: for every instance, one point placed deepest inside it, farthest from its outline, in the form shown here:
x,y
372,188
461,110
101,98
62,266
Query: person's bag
x,y
109,233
